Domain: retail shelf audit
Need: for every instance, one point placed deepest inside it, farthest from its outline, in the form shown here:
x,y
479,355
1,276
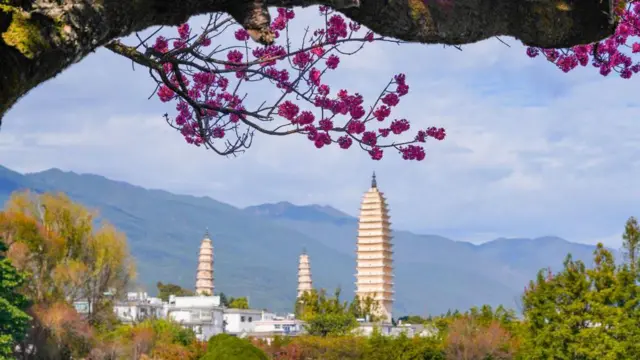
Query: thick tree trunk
x,y
41,38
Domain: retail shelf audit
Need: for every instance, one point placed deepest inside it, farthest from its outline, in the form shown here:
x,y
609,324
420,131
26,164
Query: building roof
x,y
241,311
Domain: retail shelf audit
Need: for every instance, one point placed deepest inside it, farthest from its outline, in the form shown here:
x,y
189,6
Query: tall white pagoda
x,y
204,274
304,274
374,277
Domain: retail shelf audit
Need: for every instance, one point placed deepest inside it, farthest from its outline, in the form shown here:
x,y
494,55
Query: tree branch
x,y
41,38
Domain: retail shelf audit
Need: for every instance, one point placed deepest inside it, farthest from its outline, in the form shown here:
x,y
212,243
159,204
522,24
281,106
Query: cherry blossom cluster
x,y
206,81
614,54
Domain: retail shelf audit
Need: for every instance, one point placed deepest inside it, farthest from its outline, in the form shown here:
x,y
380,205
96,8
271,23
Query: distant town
x,y
208,316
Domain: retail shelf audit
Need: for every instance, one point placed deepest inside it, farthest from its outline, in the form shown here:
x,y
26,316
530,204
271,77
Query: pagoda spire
x,y
374,260
374,184
204,273
305,283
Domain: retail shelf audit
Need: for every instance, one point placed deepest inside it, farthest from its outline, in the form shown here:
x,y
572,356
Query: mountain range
x,y
257,248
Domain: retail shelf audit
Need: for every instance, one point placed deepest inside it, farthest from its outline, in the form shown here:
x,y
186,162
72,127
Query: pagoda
x,y
374,277
204,274
304,274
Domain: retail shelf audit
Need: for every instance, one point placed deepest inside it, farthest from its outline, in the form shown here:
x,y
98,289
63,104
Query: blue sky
x,y
530,151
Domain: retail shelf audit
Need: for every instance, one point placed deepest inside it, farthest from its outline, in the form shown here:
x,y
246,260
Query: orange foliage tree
x,y
54,241
471,339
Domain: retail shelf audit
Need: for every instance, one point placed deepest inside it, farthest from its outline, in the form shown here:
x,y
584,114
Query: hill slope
x,y
256,249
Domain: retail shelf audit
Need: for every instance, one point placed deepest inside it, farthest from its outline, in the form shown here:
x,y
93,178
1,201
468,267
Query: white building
x,y
202,314
138,306
279,325
387,329
239,321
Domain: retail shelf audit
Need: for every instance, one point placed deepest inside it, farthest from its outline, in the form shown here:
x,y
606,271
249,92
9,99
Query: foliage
x,y
323,315
469,338
352,347
53,239
403,348
157,339
586,313
207,83
238,303
224,301
413,319
166,290
365,308
227,347
631,243
13,319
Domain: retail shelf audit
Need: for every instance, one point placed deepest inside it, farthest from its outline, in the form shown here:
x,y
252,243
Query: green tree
x,y
631,243
13,319
238,303
364,307
555,310
586,313
223,300
324,315
413,319
166,290
227,347
627,293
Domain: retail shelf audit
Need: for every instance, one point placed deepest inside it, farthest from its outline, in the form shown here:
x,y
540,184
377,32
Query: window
x,y
250,319
276,326
241,318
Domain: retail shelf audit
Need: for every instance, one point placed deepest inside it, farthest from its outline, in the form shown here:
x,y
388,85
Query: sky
x,y
530,151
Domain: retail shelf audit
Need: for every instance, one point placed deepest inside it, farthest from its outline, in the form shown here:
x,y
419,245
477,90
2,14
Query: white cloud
x,y
530,151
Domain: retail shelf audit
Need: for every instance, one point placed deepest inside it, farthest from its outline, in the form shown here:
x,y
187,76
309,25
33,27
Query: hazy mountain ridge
x,y
256,248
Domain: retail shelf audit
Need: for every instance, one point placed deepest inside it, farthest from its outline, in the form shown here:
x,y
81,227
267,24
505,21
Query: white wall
x,y
285,326
137,312
239,320
194,301
205,322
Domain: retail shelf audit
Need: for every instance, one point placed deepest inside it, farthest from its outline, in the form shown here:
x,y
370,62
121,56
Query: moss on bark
x,y
24,33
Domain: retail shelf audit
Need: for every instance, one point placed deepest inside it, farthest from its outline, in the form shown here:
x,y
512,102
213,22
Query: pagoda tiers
x,y
204,275
374,277
304,274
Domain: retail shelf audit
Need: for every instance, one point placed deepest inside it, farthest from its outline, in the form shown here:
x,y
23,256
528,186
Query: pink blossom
x,y
314,76
317,51
333,61
382,112
218,132
412,152
369,36
369,138
241,35
326,124
304,104
161,45
376,153
355,127
288,110
165,94
323,90
301,59
399,126
391,99
305,118
184,31
345,142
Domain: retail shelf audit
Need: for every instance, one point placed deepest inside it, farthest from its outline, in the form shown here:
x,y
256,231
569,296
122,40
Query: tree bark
x,y
41,38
